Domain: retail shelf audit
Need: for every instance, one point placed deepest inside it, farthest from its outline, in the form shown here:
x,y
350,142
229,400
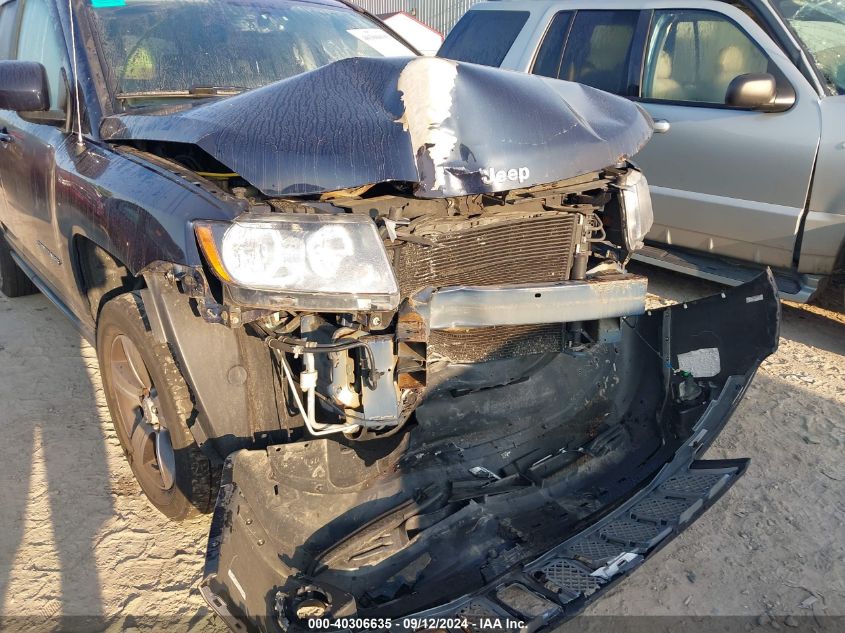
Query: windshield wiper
x,y
194,92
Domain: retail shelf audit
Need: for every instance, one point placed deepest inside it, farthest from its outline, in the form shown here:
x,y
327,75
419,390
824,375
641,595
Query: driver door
x,y
28,150
725,181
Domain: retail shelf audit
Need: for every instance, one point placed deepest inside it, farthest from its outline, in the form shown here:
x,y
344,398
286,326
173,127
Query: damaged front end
x,y
480,416
526,487
381,304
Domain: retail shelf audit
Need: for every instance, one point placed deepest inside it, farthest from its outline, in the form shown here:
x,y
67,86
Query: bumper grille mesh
x,y
563,575
633,533
692,484
662,509
478,613
527,250
596,552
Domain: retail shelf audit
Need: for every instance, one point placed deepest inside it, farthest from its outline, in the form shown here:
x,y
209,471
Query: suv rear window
x,y
597,48
483,37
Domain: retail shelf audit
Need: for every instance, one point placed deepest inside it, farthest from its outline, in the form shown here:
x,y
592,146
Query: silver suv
x,y
747,170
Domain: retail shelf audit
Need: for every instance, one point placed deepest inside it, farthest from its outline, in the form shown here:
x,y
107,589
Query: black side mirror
x,y
756,91
23,87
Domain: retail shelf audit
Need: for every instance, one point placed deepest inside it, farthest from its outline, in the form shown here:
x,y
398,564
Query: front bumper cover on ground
x,y
552,589
252,587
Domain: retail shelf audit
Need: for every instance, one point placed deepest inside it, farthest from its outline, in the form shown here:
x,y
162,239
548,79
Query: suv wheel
x,y
151,407
13,281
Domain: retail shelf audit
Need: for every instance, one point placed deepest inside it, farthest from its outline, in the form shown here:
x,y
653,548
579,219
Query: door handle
x,y
661,126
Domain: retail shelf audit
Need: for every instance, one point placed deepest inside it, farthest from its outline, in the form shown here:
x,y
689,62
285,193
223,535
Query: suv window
x,y
598,49
694,55
550,54
483,37
7,27
41,40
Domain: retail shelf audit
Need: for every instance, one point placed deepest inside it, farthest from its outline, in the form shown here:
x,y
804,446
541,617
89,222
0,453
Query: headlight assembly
x,y
636,208
303,261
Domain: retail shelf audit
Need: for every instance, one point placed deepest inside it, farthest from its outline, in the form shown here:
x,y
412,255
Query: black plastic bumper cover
x,y
541,593
556,587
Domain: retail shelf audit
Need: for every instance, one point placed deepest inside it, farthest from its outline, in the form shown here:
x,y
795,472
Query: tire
x,y
13,281
127,350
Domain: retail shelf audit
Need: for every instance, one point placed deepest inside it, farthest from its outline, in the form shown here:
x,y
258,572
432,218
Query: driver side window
x,y
8,13
693,56
41,41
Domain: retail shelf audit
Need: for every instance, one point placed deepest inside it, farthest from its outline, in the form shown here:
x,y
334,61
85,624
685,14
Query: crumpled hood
x,y
452,128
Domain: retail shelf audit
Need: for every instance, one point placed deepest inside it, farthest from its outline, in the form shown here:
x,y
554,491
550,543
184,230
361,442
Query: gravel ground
x,y
77,537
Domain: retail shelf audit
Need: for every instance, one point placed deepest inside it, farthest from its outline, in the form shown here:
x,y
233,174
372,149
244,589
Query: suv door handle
x,y
661,126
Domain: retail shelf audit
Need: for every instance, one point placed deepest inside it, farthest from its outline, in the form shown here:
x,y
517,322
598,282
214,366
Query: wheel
x,y
13,281
151,406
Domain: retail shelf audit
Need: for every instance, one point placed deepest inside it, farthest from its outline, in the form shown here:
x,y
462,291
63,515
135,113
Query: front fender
x,y
824,227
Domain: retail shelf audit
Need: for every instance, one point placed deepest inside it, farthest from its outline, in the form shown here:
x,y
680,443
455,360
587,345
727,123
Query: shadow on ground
x,y
80,547
55,494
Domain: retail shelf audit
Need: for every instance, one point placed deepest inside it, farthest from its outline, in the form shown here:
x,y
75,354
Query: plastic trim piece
x,y
791,286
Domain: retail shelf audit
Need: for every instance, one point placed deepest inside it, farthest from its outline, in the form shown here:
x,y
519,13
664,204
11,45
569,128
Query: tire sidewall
x,y
122,315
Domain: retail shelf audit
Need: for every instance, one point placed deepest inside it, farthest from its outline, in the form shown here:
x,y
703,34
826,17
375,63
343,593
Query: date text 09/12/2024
x,y
413,624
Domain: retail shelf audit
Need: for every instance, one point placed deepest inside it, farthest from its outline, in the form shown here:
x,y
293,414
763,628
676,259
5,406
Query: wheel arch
x,y
839,262
99,274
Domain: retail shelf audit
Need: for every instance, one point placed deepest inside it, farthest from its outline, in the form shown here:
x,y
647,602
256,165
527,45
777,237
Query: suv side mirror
x,y
23,87
756,91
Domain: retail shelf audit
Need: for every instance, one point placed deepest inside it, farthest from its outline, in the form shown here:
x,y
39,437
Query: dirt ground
x,y
77,537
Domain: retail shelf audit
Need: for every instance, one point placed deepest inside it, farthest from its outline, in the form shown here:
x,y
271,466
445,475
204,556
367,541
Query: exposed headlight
x,y
636,207
303,261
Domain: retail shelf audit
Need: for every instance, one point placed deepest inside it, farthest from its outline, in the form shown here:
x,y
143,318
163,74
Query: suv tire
x,y
181,483
13,281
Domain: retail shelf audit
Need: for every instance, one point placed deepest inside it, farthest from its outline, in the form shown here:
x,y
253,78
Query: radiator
x,y
516,251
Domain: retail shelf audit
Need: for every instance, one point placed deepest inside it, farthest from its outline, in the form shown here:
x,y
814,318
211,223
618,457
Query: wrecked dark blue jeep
x,y
372,309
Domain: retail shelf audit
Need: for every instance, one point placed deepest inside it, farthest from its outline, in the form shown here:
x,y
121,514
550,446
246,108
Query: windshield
x,y
820,24
181,48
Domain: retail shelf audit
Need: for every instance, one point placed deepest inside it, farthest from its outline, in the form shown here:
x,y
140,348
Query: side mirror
x,y
23,87
756,91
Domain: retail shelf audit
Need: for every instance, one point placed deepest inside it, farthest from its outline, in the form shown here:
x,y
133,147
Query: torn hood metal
x,y
449,128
